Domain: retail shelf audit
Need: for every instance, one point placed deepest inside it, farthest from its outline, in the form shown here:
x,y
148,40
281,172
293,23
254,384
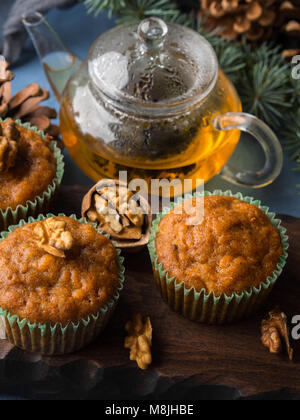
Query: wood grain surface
x,y
190,361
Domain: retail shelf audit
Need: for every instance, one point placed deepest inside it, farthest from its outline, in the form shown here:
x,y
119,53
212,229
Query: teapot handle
x,y
268,141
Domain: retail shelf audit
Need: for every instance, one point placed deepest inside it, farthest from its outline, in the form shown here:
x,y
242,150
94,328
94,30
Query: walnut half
x,y
9,137
139,341
274,331
53,237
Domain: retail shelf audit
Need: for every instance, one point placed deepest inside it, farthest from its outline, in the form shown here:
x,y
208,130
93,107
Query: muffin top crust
x,y
59,270
27,165
235,248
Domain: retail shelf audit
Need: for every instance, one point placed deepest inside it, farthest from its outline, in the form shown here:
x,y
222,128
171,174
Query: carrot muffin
x,y
223,269
57,271
234,249
27,165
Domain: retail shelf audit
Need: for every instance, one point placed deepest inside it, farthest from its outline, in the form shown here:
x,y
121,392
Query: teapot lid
x,y
153,65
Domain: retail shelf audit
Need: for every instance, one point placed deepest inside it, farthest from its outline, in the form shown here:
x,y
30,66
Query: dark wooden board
x,y
191,361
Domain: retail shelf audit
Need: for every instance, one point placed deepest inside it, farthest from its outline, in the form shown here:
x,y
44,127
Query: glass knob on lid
x,y
153,33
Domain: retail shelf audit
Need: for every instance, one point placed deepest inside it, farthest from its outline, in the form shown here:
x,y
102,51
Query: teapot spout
x,y
58,61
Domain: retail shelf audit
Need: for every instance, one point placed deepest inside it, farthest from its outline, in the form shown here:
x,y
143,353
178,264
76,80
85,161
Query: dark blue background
x,y
79,31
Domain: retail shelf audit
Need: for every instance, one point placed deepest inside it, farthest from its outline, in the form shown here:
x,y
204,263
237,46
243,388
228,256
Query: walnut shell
x,y
125,244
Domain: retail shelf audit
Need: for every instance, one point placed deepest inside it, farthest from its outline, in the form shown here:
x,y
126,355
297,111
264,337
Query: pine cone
x,y
255,19
25,105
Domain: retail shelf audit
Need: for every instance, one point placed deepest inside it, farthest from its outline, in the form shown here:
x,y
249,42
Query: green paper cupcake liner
x,y
41,204
50,340
206,307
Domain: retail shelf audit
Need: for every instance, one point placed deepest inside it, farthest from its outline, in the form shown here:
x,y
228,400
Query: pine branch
x,y
261,76
141,9
265,85
230,54
131,10
98,6
291,134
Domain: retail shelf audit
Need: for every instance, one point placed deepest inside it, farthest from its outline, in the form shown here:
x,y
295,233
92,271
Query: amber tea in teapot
x,y
152,101
190,148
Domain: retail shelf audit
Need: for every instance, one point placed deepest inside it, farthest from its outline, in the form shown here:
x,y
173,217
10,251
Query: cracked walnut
x,y
53,237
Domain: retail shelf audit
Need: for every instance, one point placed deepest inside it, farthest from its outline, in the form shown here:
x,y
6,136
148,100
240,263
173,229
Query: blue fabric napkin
x,y
13,33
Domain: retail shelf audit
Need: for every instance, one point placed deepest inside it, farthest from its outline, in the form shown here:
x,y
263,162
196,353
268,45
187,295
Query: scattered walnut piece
x,y
139,341
53,237
274,330
9,136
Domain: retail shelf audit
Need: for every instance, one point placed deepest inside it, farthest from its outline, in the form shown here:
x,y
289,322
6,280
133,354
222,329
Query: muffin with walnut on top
x,y
59,278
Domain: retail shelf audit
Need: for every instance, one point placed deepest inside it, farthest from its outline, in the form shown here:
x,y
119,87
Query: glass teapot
x,y
151,100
